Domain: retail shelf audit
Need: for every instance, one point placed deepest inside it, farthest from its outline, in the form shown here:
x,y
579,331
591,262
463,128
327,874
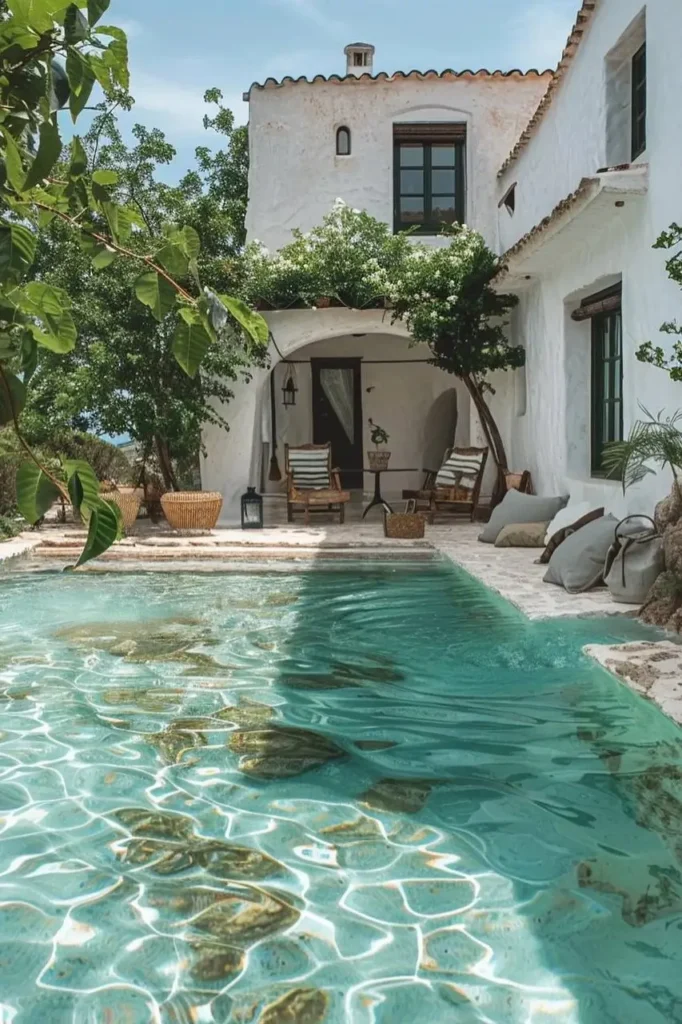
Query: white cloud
x,y
312,10
540,31
176,107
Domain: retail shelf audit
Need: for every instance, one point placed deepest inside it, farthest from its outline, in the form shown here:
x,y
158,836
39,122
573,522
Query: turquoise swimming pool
x,y
376,794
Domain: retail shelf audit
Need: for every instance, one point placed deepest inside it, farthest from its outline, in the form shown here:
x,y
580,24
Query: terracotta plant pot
x,y
378,460
192,510
324,302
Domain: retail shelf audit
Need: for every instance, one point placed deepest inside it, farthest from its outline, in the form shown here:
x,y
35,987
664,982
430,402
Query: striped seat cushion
x,y
310,468
459,469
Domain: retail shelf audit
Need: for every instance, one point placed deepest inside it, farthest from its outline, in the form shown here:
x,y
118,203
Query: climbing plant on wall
x,y
671,241
53,56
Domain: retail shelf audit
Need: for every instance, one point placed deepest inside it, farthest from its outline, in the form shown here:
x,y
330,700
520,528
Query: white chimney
x,y
359,58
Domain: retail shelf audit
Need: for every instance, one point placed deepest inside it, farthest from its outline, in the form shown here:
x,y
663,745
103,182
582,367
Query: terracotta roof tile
x,y
582,23
383,76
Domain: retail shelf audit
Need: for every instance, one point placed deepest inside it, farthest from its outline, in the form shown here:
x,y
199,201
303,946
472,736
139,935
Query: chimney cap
x,y
359,46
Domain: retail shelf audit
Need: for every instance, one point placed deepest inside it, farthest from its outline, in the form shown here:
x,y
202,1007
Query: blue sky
x,y
179,49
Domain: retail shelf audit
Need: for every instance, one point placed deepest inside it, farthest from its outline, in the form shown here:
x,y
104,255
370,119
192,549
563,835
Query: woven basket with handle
x,y
192,510
404,525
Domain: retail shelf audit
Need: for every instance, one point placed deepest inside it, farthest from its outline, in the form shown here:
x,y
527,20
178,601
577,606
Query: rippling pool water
x,y
374,794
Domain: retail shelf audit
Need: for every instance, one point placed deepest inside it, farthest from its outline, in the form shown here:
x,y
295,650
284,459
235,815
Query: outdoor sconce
x,y
252,510
289,389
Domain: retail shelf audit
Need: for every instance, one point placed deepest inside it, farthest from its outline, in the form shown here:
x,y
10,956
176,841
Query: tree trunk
x,y
165,464
493,437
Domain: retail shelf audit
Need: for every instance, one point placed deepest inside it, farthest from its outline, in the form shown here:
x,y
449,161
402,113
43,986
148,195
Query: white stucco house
x,y
522,158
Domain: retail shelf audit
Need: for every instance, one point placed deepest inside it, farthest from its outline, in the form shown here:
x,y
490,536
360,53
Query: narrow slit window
x,y
509,200
343,141
607,385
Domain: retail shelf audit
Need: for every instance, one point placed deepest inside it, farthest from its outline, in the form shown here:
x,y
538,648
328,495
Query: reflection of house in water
x,y
552,169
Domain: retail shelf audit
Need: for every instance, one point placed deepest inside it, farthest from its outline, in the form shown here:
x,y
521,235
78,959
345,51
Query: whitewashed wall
x,y
295,175
552,438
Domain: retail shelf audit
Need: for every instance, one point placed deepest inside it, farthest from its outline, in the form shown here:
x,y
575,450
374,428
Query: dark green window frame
x,y
404,157
639,102
607,385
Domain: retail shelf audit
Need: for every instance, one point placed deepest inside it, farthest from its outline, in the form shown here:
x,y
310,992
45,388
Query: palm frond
x,y
657,440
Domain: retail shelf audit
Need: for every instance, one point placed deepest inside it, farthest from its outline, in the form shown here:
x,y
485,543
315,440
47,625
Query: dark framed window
x,y
429,185
343,141
607,384
639,102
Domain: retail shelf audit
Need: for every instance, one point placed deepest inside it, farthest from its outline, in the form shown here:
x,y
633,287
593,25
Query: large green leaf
x,y
49,305
105,177
76,28
79,159
17,250
96,8
13,166
190,344
156,292
35,492
86,490
172,257
253,323
35,13
29,356
103,258
115,57
104,530
81,79
49,150
12,397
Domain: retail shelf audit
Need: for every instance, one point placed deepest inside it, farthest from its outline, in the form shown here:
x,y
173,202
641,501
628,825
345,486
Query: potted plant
x,y
378,460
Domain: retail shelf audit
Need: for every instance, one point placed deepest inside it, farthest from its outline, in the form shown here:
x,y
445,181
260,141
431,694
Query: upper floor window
x,y
626,99
429,186
639,102
343,141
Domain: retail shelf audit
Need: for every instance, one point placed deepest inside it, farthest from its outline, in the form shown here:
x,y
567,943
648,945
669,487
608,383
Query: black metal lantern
x,y
252,510
289,388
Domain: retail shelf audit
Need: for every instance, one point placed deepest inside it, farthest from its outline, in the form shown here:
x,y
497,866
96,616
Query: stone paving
x,y
652,669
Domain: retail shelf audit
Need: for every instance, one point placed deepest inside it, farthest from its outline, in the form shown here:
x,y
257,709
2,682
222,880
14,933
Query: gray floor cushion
x,y
520,508
522,535
578,562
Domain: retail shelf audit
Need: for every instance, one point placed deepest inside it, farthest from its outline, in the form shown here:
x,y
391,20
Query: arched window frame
x,y
343,133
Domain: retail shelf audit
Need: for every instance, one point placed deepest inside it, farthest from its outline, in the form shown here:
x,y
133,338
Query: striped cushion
x,y
459,469
310,468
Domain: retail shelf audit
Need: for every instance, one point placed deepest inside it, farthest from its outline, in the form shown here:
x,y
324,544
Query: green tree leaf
x,y
50,306
49,150
17,250
105,177
35,13
87,491
76,28
81,80
190,344
79,159
103,259
35,492
12,397
13,166
104,530
154,291
253,323
96,8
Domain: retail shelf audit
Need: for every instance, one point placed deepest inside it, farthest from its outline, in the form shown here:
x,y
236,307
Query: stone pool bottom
x,y
374,794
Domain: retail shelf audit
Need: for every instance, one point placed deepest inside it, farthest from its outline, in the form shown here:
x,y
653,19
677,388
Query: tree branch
x,y
111,244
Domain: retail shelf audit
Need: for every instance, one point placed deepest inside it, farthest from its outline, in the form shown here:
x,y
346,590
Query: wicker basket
x,y
404,525
192,510
129,501
378,460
